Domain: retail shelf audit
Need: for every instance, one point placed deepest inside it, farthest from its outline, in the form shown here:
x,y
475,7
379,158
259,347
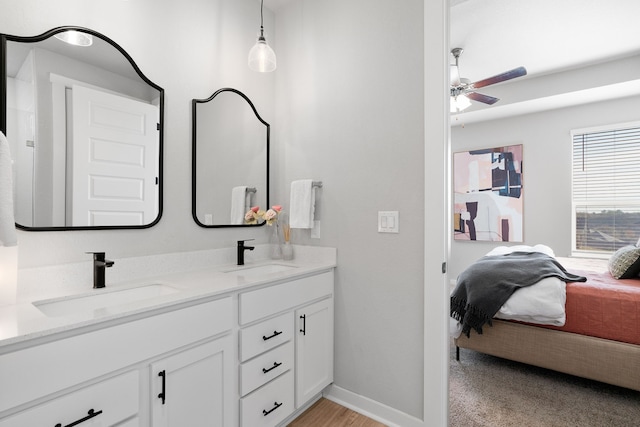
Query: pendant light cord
x,y
261,19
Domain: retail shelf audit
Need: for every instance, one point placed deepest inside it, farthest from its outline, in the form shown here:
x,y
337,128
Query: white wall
x,y
546,172
350,113
190,48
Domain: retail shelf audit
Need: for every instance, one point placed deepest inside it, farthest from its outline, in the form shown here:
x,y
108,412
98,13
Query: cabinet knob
x,y
163,394
275,365
304,324
275,334
90,415
276,406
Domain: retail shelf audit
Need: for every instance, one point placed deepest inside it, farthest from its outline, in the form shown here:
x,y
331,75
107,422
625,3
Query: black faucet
x,y
241,249
99,266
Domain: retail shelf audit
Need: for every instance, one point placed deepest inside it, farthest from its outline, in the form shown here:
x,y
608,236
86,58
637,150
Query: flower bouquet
x,y
270,216
255,214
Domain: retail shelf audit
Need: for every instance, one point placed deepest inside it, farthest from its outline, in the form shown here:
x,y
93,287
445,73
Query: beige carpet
x,y
486,391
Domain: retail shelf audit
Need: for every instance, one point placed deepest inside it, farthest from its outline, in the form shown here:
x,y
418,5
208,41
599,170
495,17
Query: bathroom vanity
x,y
232,346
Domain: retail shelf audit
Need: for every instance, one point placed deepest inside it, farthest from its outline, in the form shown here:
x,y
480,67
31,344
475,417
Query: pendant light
x,y
261,57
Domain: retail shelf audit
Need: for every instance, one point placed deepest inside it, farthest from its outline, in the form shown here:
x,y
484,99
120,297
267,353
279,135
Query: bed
x,y
599,337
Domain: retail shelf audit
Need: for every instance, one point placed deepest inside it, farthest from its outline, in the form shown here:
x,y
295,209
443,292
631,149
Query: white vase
x,y
275,240
287,251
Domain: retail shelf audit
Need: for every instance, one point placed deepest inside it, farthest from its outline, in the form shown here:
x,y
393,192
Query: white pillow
x,y
503,250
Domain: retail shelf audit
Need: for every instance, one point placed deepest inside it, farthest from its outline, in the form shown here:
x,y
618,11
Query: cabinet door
x,y
314,349
194,388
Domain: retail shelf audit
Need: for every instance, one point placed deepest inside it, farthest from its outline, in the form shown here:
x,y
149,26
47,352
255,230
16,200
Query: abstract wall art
x,y
488,193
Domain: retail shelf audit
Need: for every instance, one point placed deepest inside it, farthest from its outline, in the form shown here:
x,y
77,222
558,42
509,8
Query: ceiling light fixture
x,y
459,103
261,57
76,38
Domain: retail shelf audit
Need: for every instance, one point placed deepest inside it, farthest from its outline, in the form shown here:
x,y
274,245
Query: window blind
x,y
606,188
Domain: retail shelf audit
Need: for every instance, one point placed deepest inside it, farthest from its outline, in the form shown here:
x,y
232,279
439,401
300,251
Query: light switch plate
x,y
388,222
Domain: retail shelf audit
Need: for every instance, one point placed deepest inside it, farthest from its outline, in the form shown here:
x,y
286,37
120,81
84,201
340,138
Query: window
x,y
606,188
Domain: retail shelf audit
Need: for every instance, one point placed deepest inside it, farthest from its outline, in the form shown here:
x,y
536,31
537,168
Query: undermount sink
x,y
259,270
89,302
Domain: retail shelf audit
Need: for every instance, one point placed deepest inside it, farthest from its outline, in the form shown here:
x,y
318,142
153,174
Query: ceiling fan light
x,y
463,102
454,75
452,105
459,103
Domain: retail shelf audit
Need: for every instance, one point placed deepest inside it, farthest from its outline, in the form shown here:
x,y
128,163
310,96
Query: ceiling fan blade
x,y
508,75
486,99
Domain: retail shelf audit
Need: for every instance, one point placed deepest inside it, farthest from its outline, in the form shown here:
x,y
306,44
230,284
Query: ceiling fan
x,y
462,89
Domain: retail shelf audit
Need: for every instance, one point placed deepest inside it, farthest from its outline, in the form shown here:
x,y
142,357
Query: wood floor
x,y
325,413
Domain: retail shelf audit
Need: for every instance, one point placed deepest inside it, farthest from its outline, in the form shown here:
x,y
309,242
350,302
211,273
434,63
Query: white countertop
x,y
23,321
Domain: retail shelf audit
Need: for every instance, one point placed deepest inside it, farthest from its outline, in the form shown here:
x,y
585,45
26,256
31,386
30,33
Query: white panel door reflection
x,y
114,150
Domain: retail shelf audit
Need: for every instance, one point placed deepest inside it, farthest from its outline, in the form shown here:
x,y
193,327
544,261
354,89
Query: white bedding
x,y
542,303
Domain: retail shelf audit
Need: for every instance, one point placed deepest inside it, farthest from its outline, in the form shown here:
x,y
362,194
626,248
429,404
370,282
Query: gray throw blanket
x,y
486,285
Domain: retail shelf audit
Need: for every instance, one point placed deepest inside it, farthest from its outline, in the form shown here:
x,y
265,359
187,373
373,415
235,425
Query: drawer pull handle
x,y
304,324
163,394
275,334
275,365
277,405
90,415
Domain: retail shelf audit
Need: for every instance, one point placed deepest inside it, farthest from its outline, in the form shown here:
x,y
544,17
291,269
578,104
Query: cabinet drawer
x,y
116,398
265,367
267,406
265,335
255,305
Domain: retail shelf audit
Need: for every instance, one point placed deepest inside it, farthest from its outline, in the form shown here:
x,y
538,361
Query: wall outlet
x,y
208,219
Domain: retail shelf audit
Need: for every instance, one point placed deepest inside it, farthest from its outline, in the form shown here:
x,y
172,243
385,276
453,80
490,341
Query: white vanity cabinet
x,y
188,388
59,382
283,364
249,353
314,350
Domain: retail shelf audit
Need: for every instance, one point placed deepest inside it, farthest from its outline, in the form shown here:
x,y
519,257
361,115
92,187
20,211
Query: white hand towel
x,y
7,222
302,204
238,204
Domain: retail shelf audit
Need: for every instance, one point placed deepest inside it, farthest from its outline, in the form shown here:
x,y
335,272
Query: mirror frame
x,y
3,117
194,103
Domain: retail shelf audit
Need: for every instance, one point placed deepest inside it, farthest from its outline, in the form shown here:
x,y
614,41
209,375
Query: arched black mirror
x,y
85,131
230,159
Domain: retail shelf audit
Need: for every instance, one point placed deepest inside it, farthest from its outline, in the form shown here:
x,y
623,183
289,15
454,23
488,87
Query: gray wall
x,y
547,168
350,113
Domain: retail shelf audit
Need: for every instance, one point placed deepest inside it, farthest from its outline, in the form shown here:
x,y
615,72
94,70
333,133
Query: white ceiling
x,y
547,37
542,35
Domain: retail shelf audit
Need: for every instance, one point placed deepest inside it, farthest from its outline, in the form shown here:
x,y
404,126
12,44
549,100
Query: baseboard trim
x,y
370,408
